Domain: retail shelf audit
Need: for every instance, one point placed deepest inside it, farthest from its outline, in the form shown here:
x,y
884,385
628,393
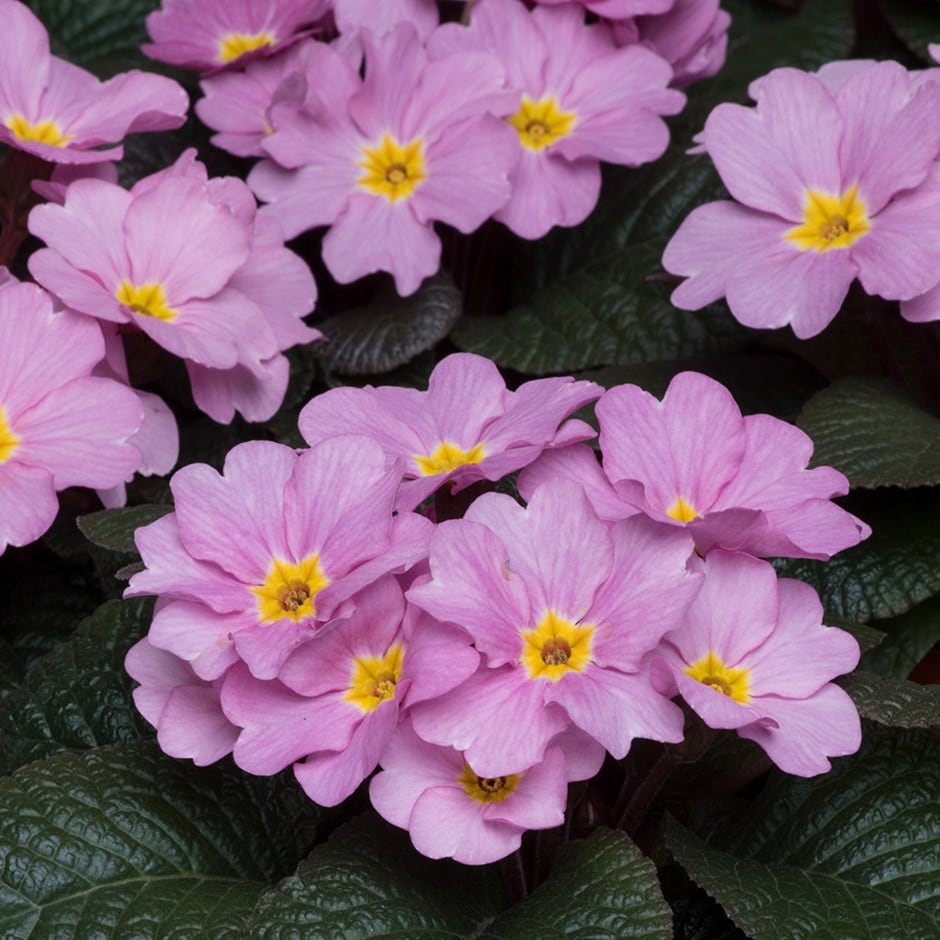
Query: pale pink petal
x,y
197,635
28,503
256,391
192,725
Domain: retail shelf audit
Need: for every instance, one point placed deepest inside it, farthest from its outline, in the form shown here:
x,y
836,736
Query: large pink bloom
x,y
693,461
827,172
61,113
564,607
466,427
577,100
256,560
753,655
59,425
388,155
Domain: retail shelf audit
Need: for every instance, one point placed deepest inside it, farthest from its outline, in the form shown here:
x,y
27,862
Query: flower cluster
x,y
835,177
308,617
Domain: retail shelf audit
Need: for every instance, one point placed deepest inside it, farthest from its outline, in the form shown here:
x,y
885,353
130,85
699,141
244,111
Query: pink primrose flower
x,y
257,559
753,655
693,461
339,696
595,102
213,34
59,425
564,607
354,15
388,155
829,188
61,113
187,261
466,427
183,708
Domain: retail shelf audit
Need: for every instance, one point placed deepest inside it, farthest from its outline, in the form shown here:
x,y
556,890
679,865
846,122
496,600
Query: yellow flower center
x,y
730,681
374,678
541,123
556,647
289,591
8,440
447,457
146,299
487,789
43,132
682,510
391,169
830,221
235,45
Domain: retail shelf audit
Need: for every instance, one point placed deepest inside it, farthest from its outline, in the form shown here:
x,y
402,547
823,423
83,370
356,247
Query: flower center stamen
x,y
42,132
289,591
487,789
732,681
235,45
374,679
8,440
447,457
392,170
147,300
556,647
541,123
830,221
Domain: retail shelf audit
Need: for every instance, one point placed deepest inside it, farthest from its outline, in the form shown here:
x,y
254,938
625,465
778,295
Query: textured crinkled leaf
x,y
368,881
601,888
916,22
79,696
10,672
114,528
871,431
888,573
907,639
853,853
389,331
93,843
893,702
606,313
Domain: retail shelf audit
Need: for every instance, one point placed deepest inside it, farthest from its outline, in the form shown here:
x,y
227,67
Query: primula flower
x,y
693,461
569,111
466,427
338,697
753,655
186,260
212,34
61,113
564,607
59,425
256,560
828,183
410,144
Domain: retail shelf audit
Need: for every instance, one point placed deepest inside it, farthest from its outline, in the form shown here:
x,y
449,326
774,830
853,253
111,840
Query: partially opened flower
x,y
828,181
59,425
693,461
753,655
63,114
466,427
257,559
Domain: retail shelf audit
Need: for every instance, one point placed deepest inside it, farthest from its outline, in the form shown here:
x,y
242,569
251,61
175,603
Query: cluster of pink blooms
x,y
835,177
308,616
398,122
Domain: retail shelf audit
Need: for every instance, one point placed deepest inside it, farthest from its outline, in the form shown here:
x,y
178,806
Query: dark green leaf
x,y
389,331
896,568
114,528
601,887
367,881
916,22
851,854
871,431
907,639
79,696
893,702
123,842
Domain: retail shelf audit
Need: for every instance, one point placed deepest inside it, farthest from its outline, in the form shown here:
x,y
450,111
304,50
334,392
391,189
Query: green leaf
x,y
916,22
893,702
123,842
605,313
389,331
871,431
907,639
114,528
79,696
367,881
600,887
851,854
888,573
